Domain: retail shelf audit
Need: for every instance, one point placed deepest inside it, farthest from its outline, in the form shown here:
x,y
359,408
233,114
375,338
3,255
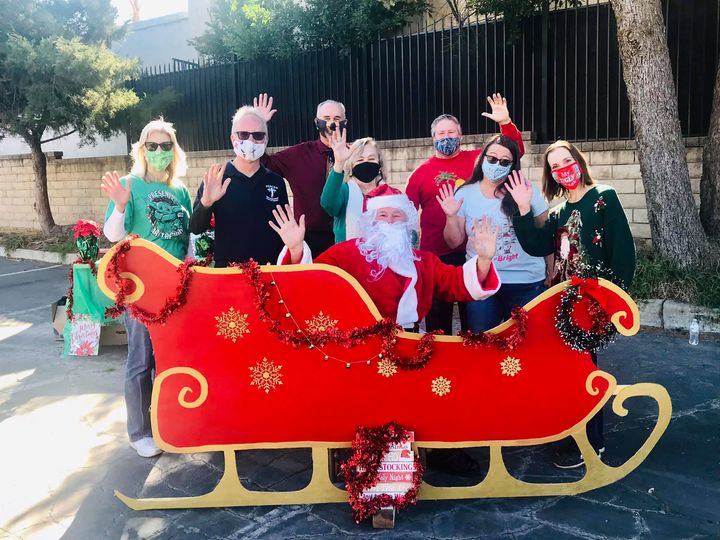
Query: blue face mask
x,y
447,146
495,172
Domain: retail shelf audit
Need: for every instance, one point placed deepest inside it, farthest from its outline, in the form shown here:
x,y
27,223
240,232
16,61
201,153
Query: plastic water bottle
x,y
694,332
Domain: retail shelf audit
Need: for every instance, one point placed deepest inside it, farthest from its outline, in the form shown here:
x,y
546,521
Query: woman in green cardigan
x,y
589,228
361,165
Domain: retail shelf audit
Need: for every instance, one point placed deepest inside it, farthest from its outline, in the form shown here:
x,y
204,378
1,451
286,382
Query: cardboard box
x,y
58,316
112,334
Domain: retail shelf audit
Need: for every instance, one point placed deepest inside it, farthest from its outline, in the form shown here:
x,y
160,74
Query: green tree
x,y
249,29
678,232
58,76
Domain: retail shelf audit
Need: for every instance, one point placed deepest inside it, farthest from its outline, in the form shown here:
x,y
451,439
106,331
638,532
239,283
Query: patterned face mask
x,y
159,160
494,171
568,176
249,150
447,146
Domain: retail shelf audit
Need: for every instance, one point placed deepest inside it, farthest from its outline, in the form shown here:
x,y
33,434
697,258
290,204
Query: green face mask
x,y
160,159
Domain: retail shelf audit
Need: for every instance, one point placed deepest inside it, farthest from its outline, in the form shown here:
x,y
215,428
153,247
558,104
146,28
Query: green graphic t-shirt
x,y
158,213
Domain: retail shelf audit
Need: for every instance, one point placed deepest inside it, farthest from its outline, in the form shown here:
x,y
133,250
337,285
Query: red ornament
x,y
498,341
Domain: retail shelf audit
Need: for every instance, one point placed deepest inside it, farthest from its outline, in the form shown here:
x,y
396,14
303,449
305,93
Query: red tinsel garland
x,y
386,329
361,470
171,304
93,269
499,341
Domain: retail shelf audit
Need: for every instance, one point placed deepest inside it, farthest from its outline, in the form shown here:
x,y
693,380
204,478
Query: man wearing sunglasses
x,y
305,166
242,195
450,166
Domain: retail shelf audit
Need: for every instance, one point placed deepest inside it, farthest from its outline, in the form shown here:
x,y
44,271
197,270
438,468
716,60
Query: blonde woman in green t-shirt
x,y
153,203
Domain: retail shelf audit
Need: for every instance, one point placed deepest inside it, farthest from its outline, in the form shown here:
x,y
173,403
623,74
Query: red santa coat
x,y
407,298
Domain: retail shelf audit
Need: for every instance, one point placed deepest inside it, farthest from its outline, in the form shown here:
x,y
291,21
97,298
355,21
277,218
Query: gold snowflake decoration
x,y
265,375
232,325
320,323
510,366
441,386
387,368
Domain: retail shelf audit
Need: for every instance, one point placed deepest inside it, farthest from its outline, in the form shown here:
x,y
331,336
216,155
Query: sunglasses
x,y
256,135
153,146
492,160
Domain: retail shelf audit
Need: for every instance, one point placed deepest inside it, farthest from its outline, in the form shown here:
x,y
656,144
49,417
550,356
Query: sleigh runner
x,y
230,379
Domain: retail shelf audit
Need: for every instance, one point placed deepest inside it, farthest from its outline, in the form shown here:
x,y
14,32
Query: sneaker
x,y
572,459
145,447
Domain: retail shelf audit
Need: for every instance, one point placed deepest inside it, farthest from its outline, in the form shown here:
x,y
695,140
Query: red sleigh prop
x,y
225,382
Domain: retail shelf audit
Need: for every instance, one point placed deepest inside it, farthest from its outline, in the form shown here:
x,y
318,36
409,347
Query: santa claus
x,y
402,281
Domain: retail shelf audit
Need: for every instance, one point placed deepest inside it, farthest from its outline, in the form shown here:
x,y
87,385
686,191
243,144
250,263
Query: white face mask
x,y
249,150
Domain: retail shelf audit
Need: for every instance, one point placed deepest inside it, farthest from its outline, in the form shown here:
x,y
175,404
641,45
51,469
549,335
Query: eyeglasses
x,y
153,146
492,160
256,135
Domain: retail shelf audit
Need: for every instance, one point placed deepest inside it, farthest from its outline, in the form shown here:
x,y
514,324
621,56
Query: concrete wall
x,y
74,190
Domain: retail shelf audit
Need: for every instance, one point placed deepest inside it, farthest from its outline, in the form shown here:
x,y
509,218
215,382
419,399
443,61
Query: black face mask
x,y
324,127
366,171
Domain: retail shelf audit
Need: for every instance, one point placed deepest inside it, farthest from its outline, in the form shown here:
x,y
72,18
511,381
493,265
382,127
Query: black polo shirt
x,y
241,217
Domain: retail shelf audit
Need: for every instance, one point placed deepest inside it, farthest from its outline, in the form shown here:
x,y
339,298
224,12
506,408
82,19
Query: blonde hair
x,y
247,110
178,165
356,151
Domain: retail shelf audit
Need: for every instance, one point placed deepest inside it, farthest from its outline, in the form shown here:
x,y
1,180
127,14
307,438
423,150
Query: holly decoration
x,y
599,204
597,238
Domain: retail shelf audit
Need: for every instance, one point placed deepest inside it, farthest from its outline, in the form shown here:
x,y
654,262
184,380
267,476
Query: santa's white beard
x,y
388,244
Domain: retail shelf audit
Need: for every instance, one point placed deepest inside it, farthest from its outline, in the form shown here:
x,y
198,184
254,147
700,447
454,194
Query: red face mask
x,y
568,176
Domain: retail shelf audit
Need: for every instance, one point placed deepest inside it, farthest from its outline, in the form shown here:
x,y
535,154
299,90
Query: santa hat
x,y
385,196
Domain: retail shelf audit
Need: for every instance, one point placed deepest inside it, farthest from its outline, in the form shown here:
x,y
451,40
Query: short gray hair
x,y
440,119
247,110
328,102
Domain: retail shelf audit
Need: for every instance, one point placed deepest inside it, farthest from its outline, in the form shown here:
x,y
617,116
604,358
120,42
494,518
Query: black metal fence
x,y
562,77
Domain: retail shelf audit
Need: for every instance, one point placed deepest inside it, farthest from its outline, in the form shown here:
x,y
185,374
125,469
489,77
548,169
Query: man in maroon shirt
x,y
305,166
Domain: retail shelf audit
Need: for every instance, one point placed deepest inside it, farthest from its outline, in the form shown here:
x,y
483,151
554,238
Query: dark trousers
x,y
440,315
319,241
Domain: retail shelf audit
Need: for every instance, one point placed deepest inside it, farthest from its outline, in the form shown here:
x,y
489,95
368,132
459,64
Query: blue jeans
x,y
486,314
139,376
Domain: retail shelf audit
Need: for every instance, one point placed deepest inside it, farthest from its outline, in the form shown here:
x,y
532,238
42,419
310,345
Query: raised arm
x,y
501,114
290,231
537,242
454,231
334,197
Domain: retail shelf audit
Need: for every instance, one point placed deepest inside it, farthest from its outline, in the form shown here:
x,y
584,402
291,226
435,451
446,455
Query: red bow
x,y
592,288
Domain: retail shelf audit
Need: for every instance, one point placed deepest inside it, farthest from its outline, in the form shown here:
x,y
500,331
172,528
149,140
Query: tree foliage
x,y
57,75
249,29
512,11
56,70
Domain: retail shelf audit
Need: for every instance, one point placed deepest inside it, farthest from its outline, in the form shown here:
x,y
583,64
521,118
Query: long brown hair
x,y
550,187
508,204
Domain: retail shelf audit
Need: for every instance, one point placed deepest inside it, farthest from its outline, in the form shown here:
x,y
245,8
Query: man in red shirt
x,y
305,166
450,165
